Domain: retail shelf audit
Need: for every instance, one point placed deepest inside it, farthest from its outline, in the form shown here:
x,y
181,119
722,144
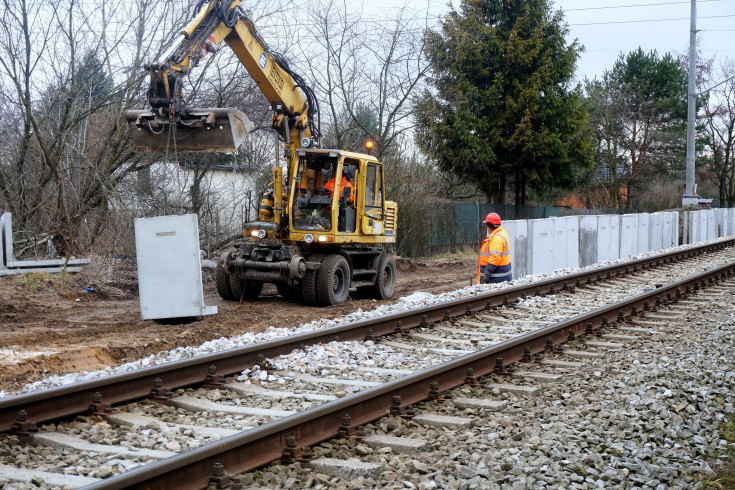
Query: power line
x,y
636,5
649,20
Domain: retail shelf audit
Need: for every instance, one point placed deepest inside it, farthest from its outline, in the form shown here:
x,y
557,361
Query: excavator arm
x,y
295,111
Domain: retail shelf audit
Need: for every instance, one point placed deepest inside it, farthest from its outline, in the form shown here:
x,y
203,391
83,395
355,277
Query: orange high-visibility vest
x,y
330,187
494,250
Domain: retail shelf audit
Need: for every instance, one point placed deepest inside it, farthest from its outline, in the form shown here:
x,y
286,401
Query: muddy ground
x,y
50,324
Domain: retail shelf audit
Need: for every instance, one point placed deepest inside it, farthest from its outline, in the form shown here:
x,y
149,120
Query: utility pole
x,y
690,196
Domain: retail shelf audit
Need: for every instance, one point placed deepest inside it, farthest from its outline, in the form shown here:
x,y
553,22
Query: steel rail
x,y
259,446
55,403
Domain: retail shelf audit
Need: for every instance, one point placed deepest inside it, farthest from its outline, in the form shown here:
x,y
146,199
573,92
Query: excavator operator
x,y
347,177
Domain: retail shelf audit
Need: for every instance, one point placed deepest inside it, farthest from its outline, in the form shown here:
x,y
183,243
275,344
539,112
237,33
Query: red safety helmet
x,y
492,218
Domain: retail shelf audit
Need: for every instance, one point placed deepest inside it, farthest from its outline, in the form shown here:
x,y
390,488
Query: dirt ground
x,y
54,324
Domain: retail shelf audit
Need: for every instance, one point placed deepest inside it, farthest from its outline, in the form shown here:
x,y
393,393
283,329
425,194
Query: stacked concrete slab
x,y
10,265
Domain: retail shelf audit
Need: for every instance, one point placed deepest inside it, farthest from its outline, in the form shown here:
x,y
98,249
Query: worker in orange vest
x,y
347,176
493,265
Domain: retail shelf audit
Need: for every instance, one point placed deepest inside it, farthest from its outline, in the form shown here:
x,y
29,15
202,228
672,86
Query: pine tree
x,y
503,109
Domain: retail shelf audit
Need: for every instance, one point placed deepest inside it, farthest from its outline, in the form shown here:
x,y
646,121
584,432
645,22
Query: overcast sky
x,y
608,27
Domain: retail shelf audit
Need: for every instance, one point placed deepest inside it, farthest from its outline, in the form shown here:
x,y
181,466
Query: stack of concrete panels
x,y
566,242
656,231
10,265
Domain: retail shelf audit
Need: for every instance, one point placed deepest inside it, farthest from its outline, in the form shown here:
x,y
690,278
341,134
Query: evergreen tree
x,y
503,109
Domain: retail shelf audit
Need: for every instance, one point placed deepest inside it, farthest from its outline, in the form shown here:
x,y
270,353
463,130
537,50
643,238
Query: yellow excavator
x,y
322,227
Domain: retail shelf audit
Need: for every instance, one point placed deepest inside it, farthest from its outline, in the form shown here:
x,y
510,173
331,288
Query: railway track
x,y
195,424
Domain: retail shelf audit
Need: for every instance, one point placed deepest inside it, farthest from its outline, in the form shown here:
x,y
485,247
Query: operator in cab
x,y
493,265
348,174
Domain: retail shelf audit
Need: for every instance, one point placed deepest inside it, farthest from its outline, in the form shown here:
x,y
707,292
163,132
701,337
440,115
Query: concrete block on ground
x,y
541,249
58,440
566,242
702,221
169,268
587,240
628,235
489,405
518,236
51,479
198,405
514,389
443,421
402,445
347,469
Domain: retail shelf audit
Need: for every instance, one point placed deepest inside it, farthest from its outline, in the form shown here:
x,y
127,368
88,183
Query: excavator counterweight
x,y
207,130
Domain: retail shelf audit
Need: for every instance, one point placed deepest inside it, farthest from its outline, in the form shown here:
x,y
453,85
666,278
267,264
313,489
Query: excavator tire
x,y
245,290
333,280
222,280
308,283
385,282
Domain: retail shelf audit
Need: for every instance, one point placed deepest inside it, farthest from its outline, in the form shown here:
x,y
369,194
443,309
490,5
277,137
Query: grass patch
x,y
724,476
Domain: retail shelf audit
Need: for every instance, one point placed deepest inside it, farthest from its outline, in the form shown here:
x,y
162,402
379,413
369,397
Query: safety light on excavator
x,y
369,146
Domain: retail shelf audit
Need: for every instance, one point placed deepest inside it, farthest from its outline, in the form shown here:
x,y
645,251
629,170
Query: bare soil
x,y
54,324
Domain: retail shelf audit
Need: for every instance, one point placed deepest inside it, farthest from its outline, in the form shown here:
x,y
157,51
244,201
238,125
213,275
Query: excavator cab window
x,y
374,192
312,206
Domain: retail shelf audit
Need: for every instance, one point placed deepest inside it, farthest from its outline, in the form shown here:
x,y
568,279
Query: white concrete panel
x,y
169,267
3,258
560,241
628,235
677,228
655,231
587,240
732,221
722,221
518,237
643,237
541,233
667,240
711,224
607,243
702,236
572,240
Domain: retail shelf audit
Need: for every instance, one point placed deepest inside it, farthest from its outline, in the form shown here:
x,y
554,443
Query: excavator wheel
x,y
222,280
245,290
385,282
333,280
308,283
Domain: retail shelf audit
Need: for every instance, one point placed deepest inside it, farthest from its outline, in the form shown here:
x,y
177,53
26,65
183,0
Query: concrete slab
x,y
139,421
51,479
197,405
411,348
246,389
622,338
541,250
519,251
63,441
443,421
584,354
603,345
608,244
644,242
514,389
711,224
447,341
348,469
479,403
170,284
335,381
540,377
402,445
629,235
561,364
656,231
638,330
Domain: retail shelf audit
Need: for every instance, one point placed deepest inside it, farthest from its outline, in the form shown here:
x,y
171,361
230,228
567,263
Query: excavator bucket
x,y
211,130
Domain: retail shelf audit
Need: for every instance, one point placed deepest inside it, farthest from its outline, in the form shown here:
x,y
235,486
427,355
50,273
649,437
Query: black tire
x,y
385,283
245,290
308,283
333,280
222,280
